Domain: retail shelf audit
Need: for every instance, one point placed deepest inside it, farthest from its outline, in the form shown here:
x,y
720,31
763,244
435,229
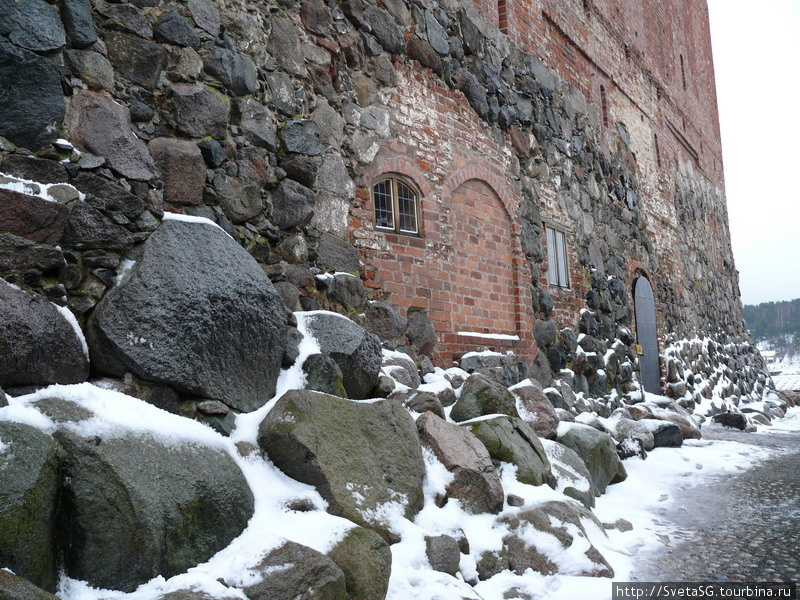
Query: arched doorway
x,y
646,335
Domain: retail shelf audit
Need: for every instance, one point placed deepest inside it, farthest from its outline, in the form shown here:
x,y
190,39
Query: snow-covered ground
x,y
650,485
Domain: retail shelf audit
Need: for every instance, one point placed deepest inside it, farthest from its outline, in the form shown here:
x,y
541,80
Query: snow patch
x,y
70,318
170,216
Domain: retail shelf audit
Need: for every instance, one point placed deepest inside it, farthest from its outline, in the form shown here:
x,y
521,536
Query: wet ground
x,y
737,527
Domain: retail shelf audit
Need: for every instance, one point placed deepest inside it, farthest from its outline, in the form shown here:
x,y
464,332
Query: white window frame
x,y
394,182
557,257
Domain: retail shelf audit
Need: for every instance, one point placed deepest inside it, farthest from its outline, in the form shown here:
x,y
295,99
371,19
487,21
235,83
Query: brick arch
x,y
482,267
477,168
388,162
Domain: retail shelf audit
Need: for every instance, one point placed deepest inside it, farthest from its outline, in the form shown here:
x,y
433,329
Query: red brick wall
x,y
466,268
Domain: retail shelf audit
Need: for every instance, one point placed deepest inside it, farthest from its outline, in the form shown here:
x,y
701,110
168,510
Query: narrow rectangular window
x,y
604,105
683,73
557,269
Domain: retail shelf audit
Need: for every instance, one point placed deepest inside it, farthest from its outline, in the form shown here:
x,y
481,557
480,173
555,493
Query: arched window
x,y
604,105
396,203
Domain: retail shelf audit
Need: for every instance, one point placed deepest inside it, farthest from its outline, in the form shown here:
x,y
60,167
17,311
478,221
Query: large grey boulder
x,y
481,396
197,313
475,481
26,123
359,456
38,344
28,491
510,439
162,510
598,452
572,477
535,408
357,352
366,560
624,428
566,522
296,572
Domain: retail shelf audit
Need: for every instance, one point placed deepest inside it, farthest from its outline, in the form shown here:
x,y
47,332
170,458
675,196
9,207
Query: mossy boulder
x,y
323,375
512,440
598,452
29,483
297,572
480,396
366,560
364,458
13,587
134,508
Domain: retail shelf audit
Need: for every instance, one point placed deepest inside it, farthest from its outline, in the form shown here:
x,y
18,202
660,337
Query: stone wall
x,y
273,120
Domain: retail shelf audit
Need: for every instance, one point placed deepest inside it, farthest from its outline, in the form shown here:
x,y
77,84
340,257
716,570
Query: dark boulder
x,y
511,440
29,124
357,352
731,420
33,25
237,72
195,312
339,255
162,510
39,344
323,375
420,331
383,320
78,23
292,205
302,136
174,29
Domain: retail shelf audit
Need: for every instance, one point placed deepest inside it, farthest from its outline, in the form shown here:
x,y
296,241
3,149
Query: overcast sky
x,y
757,63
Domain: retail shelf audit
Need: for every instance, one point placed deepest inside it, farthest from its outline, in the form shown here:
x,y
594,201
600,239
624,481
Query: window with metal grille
x,y
396,206
557,270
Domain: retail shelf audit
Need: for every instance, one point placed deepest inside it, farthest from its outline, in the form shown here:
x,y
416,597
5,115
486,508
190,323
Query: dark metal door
x,y
646,336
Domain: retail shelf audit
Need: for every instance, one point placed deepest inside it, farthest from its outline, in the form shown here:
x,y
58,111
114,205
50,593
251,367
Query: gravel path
x,y
740,527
